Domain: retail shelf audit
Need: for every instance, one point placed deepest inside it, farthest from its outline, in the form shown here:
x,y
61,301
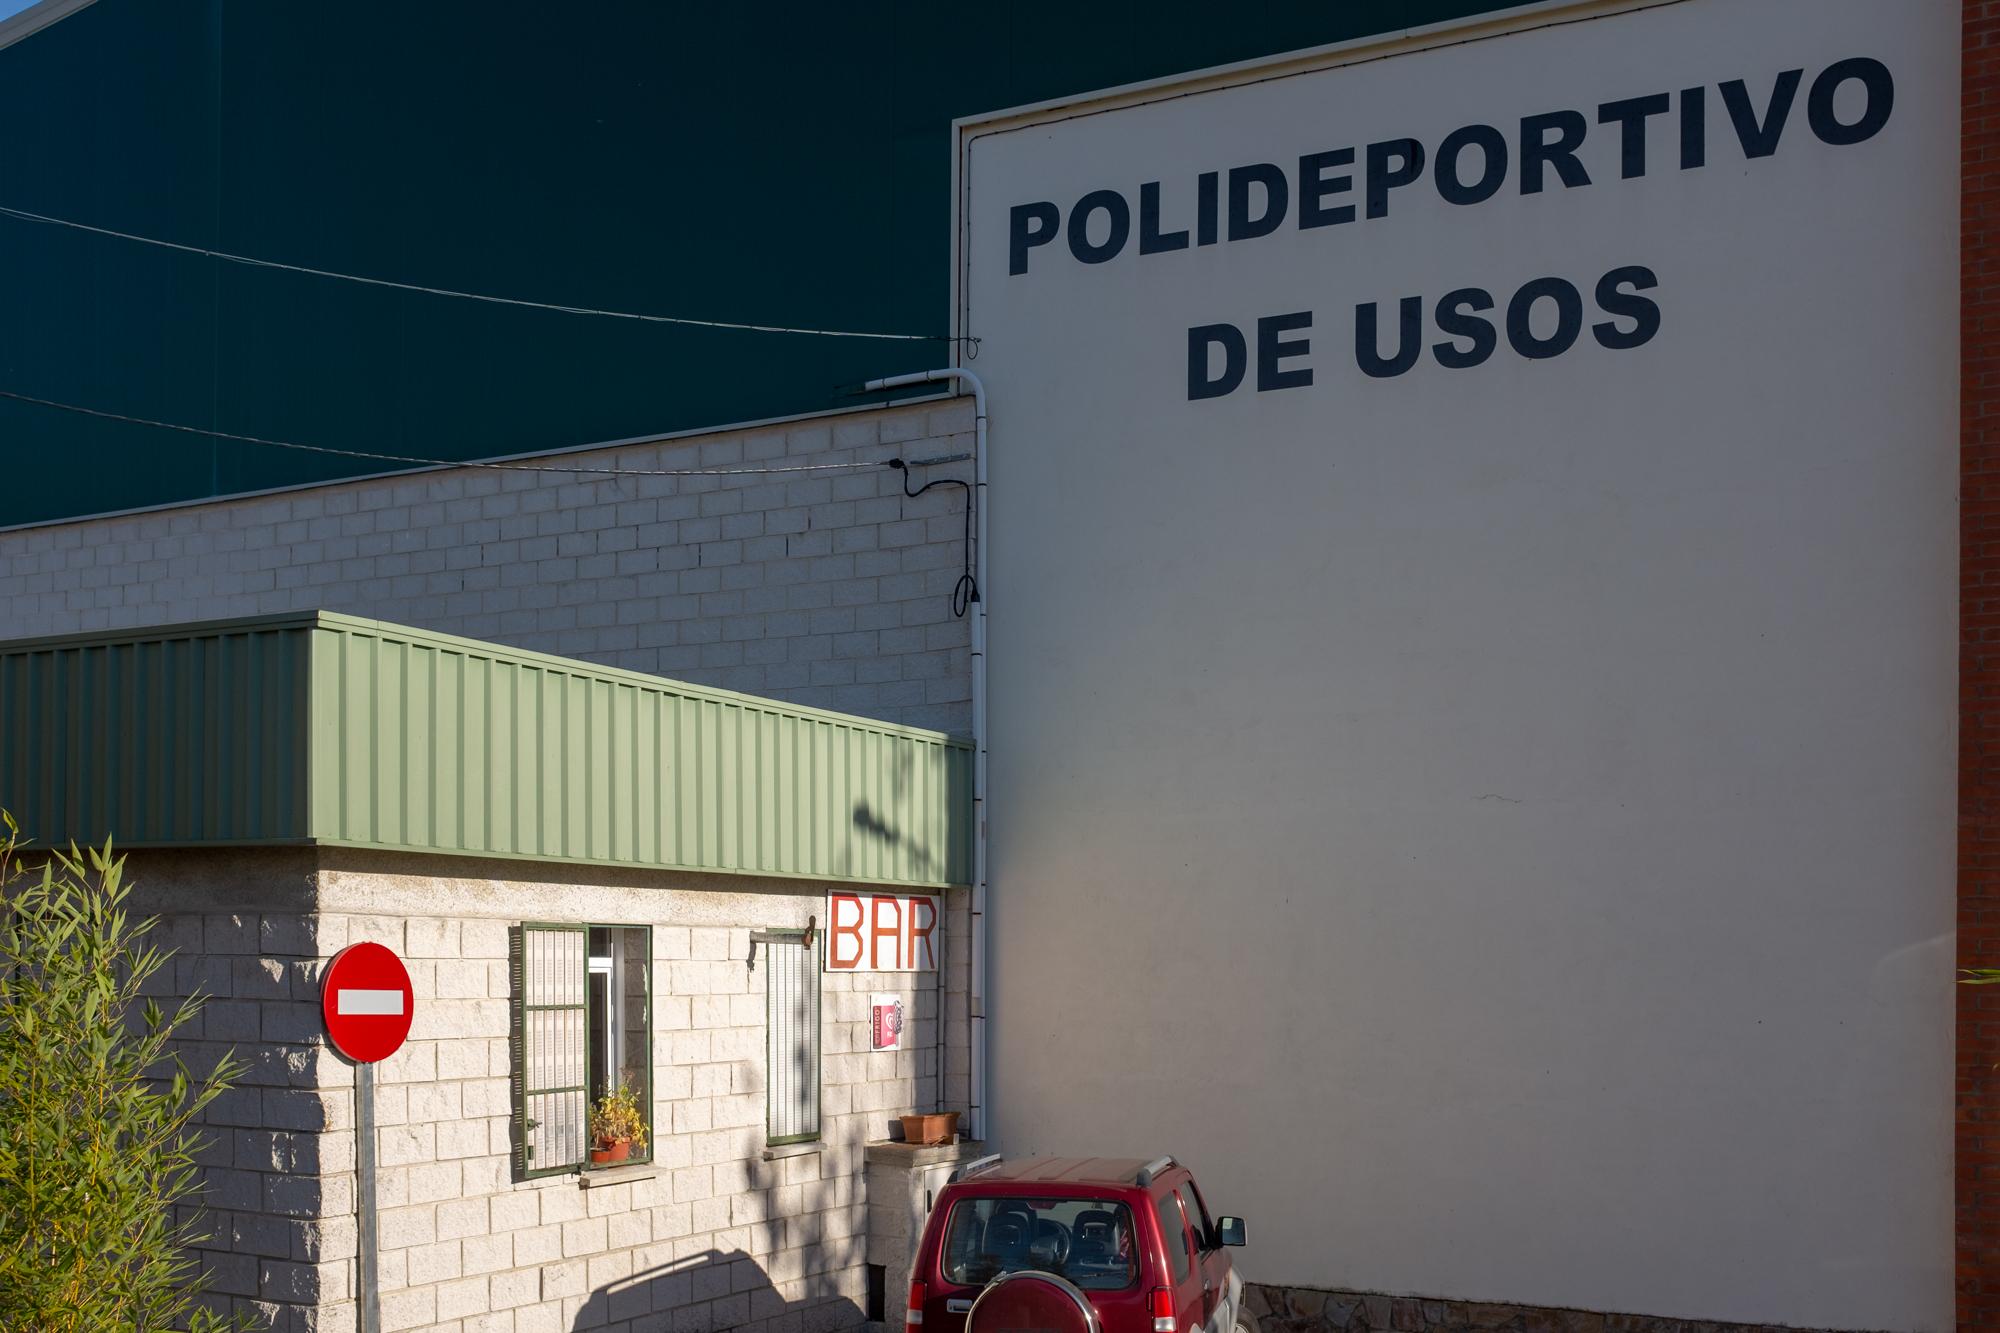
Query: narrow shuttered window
x,y
621,1024
792,1012
551,1034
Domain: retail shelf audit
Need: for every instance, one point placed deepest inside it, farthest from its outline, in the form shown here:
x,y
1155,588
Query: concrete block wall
x,y
827,588
279,1203
717,1233
903,1182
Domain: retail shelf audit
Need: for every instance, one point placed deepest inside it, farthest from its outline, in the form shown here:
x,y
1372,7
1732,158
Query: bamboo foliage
x,y
98,1180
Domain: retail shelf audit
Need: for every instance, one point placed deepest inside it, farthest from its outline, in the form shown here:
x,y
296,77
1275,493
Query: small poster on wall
x,y
885,1023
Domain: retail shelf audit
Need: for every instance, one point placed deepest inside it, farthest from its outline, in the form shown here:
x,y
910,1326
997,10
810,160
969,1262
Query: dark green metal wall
x,y
780,163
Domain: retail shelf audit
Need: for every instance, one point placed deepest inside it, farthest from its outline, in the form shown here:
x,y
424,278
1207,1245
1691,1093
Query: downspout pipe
x,y
965,379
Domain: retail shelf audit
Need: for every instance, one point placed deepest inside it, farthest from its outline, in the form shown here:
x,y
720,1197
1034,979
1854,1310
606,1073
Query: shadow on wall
x,y
878,827
714,1291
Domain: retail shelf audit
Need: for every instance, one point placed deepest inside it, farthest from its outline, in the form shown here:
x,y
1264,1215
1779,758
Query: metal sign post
x,y
368,1004
367,1292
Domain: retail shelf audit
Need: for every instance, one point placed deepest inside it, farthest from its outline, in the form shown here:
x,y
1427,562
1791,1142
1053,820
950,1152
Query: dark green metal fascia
x,y
176,736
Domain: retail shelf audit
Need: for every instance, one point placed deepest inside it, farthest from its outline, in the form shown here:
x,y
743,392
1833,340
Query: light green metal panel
x,y
318,727
178,735
428,742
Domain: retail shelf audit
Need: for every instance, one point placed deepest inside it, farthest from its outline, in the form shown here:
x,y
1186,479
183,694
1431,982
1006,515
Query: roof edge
x,y
38,847
923,398
386,629
174,629
1354,50
36,17
608,863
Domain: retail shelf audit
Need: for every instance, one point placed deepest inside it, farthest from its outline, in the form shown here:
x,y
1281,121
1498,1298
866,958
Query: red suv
x,y
1133,1238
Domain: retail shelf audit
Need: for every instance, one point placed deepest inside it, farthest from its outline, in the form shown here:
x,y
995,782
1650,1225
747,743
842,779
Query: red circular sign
x,y
367,1001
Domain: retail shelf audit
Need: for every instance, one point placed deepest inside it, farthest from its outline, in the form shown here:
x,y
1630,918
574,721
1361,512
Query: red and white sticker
x,y
885,1022
368,1003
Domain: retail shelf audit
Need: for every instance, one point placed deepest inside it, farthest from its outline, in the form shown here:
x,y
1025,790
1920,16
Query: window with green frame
x,y
791,1006
582,1028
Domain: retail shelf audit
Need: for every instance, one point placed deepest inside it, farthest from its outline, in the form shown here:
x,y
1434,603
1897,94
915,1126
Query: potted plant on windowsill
x,y
929,1129
617,1127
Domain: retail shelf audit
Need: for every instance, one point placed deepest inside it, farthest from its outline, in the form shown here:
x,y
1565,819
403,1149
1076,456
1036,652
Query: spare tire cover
x,y
1031,1301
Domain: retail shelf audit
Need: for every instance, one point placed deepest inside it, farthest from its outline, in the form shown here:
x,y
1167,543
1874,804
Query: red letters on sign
x,y
845,947
890,959
881,932
927,961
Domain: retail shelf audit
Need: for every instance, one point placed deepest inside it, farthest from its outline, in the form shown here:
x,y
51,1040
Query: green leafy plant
x,y
98,1179
1979,976
617,1118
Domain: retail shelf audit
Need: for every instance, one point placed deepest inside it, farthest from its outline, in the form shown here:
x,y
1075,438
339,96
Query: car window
x,y
1197,1211
1179,1252
1197,1223
1088,1241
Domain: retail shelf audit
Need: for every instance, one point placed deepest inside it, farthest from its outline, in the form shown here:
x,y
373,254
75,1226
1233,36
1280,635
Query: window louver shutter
x,y
792,1006
551,1041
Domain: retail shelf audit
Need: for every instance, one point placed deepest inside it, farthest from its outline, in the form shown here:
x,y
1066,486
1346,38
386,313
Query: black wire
x,y
966,591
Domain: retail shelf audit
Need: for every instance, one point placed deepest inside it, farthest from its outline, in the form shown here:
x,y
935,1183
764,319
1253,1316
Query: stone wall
x,y
1317,1310
827,588
718,1232
903,1182
278,1167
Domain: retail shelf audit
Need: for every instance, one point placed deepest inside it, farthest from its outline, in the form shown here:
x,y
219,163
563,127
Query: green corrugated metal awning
x,y
328,729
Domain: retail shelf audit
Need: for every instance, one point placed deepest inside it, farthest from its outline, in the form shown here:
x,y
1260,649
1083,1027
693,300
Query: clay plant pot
x,y
930,1129
615,1151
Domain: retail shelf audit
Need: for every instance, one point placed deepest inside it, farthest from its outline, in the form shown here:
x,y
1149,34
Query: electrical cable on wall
x,y
966,591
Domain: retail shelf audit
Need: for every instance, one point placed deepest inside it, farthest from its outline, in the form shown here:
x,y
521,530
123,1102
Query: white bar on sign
x,y
368,1002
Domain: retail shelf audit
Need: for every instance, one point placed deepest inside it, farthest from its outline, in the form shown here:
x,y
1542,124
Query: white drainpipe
x,y
977,1000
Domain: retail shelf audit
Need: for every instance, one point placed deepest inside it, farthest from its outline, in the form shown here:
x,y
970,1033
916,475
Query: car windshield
x,y
1088,1241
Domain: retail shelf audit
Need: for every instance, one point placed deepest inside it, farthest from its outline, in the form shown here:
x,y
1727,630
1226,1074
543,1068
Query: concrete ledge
x,y
1288,1309
785,1150
894,1152
598,1177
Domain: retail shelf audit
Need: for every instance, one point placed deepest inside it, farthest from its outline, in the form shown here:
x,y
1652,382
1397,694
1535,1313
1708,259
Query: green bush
x,y
97,1140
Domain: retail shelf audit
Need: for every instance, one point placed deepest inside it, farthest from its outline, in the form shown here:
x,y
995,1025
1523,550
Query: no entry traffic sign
x,y
367,1001
368,1004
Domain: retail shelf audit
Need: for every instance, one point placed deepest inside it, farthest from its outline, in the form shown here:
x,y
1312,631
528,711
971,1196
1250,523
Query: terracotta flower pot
x,y
930,1129
615,1151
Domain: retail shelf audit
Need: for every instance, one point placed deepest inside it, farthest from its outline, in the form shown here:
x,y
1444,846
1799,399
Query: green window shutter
x,y
792,1025
550,965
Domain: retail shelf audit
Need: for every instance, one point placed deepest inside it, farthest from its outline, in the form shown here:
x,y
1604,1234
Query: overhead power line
x,y
433,462
252,261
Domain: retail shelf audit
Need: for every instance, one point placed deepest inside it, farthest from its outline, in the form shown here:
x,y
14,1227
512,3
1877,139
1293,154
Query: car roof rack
x,y
974,1167
1151,1169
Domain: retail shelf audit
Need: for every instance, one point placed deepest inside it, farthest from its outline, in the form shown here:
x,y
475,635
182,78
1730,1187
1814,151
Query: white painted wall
x,y
1497,824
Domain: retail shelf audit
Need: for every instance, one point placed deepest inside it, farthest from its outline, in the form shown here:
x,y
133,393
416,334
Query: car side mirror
x,y
1229,1231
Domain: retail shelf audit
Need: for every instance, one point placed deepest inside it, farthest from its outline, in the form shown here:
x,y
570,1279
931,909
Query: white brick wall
x,y
715,1237
822,588
278,1163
